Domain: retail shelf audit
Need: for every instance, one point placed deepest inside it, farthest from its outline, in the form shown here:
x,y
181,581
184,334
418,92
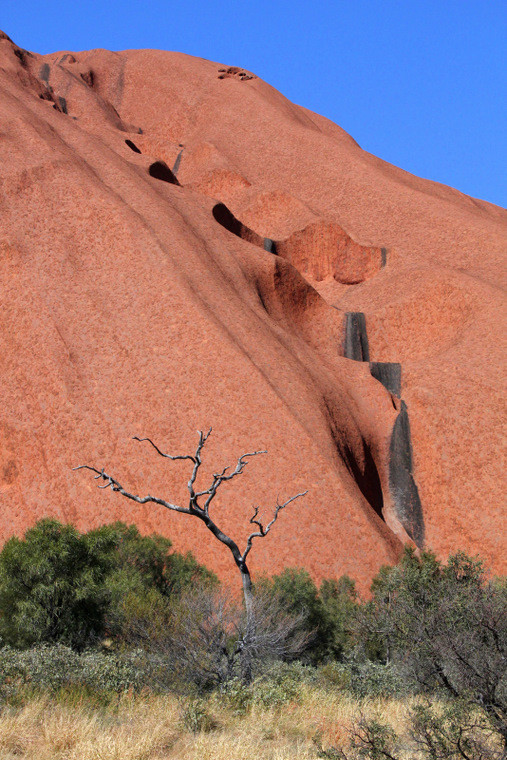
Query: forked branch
x,y
110,482
263,531
205,496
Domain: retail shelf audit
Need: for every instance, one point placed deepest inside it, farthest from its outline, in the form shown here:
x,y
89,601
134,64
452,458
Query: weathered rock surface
x,y
130,308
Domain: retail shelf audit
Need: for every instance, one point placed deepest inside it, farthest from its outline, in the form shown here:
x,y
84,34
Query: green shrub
x,y
195,716
61,586
339,603
274,688
57,667
52,587
328,611
444,629
363,679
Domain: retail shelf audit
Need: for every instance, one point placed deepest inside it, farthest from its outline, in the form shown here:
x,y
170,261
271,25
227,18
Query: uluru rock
x,y
130,308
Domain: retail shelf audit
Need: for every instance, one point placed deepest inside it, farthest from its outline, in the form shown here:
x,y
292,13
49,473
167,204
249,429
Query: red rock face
x,y
347,319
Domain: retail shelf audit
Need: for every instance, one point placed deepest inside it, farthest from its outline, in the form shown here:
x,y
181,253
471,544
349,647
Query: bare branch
x,y
110,482
221,477
167,456
203,437
240,465
263,531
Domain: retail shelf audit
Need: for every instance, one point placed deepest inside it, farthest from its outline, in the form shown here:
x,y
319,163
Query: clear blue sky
x,y
420,84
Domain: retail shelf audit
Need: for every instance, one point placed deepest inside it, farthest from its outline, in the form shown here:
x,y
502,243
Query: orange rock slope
x,y
180,247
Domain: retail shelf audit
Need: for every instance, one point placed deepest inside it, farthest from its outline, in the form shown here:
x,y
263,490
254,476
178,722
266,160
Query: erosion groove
x,y
356,339
366,475
318,251
227,219
389,374
402,485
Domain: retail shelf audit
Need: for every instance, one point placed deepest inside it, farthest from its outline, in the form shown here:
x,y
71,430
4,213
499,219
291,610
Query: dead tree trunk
x,y
199,506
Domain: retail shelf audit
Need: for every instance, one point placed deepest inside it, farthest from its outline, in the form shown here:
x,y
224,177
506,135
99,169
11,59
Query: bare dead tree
x,y
199,505
201,642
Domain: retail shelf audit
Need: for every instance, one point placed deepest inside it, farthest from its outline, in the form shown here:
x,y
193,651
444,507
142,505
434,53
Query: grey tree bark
x,y
199,506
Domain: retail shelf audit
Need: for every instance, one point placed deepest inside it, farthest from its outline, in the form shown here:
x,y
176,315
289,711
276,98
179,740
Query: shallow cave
x,y
160,170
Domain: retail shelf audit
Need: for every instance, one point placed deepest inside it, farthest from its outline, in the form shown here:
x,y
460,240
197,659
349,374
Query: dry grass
x,y
150,728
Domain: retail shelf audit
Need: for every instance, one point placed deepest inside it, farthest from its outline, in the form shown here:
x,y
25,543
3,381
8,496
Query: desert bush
x,y
454,730
363,678
279,684
51,587
195,716
340,604
295,591
450,730
370,739
55,667
114,672
326,613
205,644
444,629
60,586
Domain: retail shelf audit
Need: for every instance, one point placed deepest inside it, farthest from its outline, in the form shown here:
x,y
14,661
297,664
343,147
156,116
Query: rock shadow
x,y
132,146
160,170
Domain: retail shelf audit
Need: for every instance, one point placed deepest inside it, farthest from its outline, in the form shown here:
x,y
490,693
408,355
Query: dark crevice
x,y
356,339
22,55
401,481
383,253
261,299
88,78
360,464
132,146
389,374
160,170
227,219
366,477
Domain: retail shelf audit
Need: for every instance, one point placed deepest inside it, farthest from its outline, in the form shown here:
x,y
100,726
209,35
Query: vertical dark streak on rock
x,y
177,162
389,374
44,72
269,245
356,339
402,485
120,84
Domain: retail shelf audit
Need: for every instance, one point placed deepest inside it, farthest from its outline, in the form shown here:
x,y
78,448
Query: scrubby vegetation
x,y
61,586
132,650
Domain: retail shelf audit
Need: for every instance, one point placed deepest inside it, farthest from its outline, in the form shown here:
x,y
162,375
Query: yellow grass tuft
x,y
151,728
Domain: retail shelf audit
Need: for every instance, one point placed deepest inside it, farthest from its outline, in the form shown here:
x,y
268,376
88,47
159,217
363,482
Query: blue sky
x,y
420,84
